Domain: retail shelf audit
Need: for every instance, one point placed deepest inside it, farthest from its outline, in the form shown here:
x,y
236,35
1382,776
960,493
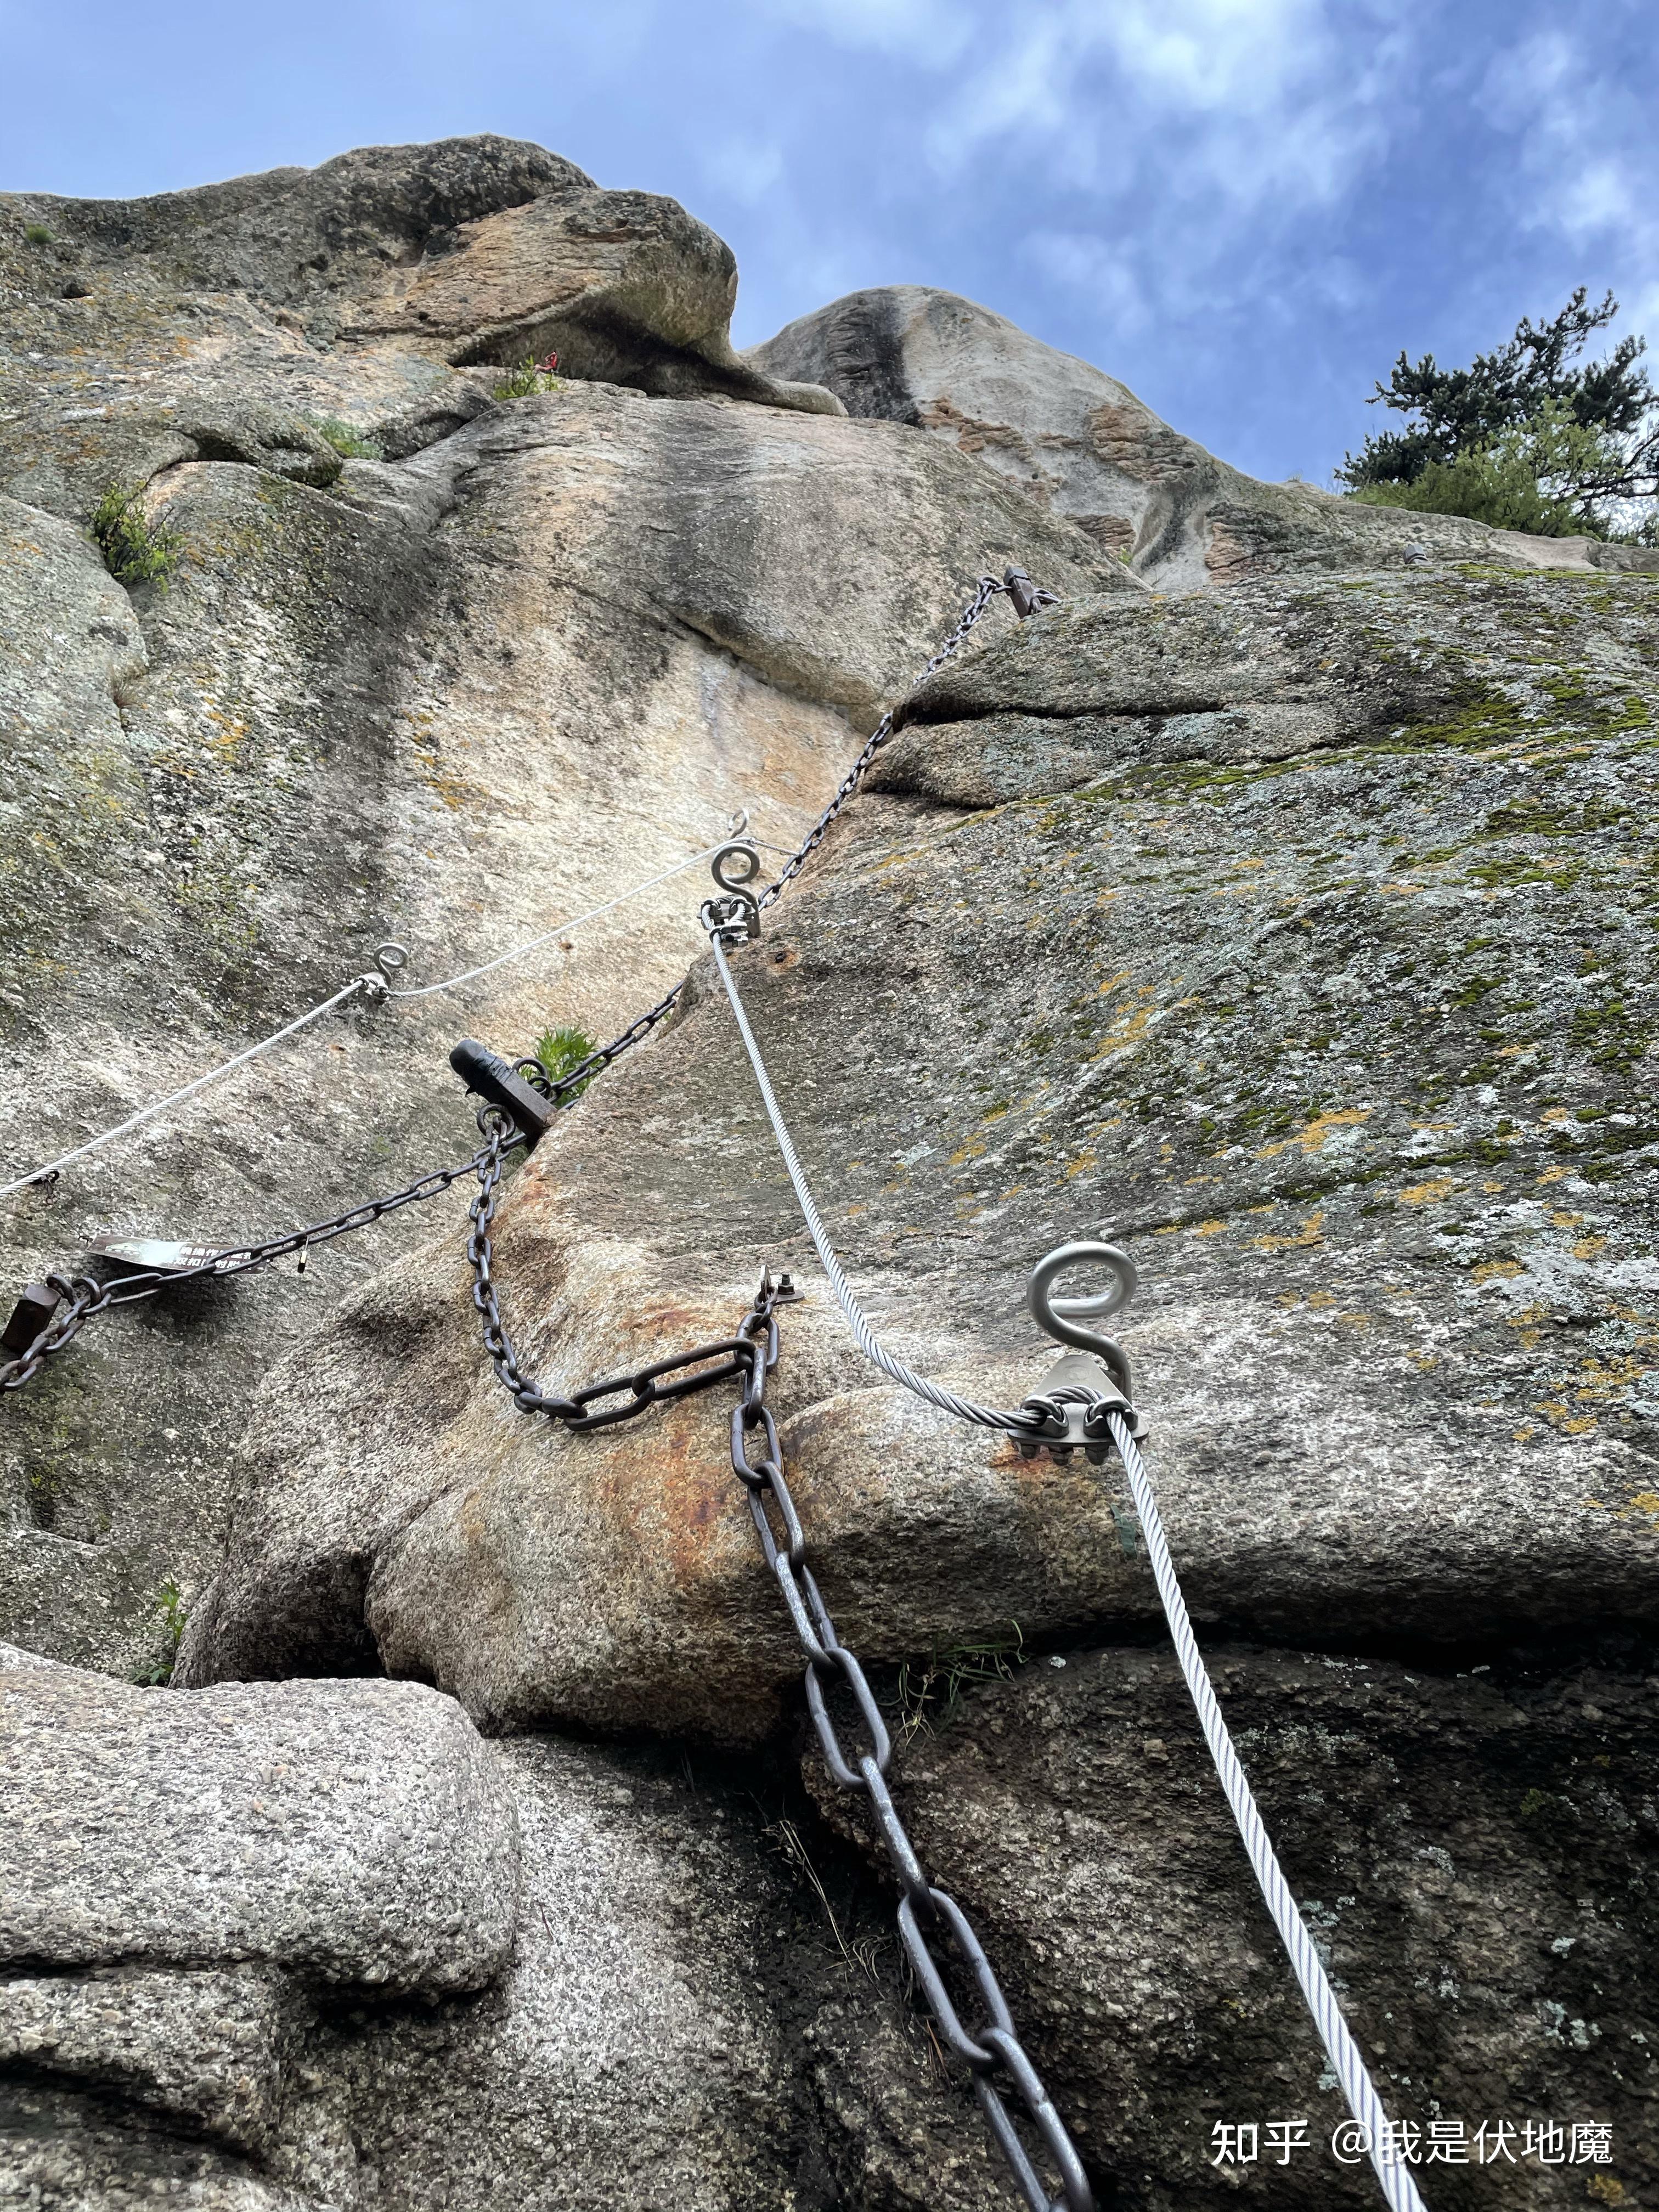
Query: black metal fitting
x,y
495,1080
31,1314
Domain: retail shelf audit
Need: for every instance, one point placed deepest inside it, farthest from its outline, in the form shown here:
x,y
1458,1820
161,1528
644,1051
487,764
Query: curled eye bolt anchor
x,y
1092,1378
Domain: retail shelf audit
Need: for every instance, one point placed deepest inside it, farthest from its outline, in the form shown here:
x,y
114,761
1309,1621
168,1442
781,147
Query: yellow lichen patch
x,y
1319,1299
1643,1503
1525,1436
1491,1186
1313,1233
1589,1247
1123,1034
1555,1113
1428,1194
1490,1271
973,1149
1423,1360
1211,1228
1554,1175
1566,1220
1312,1137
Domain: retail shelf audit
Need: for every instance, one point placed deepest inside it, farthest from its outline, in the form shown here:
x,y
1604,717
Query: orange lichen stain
x,y
1123,1034
1428,1194
1313,1233
1312,1138
1589,1247
1492,1271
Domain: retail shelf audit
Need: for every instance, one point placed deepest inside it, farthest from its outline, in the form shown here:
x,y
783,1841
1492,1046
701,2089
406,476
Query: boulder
x,y
242,321
355,1832
679,2016
1466,1848
1324,991
1079,440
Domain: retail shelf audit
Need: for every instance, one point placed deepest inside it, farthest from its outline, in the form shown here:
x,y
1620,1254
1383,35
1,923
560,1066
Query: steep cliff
x,y
1295,935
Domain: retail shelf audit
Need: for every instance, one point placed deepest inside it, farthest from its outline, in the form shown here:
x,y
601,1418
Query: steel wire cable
x,y
358,983
1397,2183
984,1417
1398,2187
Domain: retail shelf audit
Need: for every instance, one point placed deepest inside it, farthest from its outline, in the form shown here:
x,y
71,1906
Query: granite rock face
x,y
1297,936
1081,442
352,1831
451,699
1325,988
640,1996
1471,1851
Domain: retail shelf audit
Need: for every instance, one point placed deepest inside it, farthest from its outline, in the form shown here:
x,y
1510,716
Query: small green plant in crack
x,y
559,1050
928,1689
170,1614
346,439
36,234
529,379
136,550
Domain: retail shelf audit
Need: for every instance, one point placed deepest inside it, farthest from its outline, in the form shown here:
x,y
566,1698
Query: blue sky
x,y
1242,207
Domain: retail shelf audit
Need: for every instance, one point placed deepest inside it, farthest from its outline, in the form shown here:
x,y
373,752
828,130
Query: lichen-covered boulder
x,y
1077,439
1324,989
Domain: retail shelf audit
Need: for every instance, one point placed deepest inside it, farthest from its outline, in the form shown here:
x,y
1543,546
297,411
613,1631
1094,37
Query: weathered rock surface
x,y
227,322
1297,936
357,1832
452,700
675,2020
1328,991
1080,441
1472,1852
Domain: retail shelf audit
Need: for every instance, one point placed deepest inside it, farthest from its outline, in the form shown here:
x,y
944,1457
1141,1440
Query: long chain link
x,y
1002,2072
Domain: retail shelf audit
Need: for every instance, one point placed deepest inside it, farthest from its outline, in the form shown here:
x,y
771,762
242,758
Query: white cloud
x,y
1101,272
932,32
750,170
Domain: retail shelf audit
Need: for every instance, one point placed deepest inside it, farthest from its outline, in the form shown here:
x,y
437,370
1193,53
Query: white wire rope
x,y
326,1006
1379,2138
985,1417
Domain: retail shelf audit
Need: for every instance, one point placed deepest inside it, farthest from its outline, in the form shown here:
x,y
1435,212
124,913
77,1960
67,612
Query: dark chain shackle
x,y
994,2055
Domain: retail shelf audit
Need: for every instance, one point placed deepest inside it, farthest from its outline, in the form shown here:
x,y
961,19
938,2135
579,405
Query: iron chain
x,y
1002,2072
87,1298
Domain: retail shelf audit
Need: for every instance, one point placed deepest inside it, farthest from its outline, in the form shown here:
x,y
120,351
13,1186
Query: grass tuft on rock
x,y
559,1050
527,381
170,1615
36,234
346,440
136,550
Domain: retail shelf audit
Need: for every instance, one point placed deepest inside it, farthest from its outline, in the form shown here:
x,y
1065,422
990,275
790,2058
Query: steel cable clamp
x,y
1092,1379
735,919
